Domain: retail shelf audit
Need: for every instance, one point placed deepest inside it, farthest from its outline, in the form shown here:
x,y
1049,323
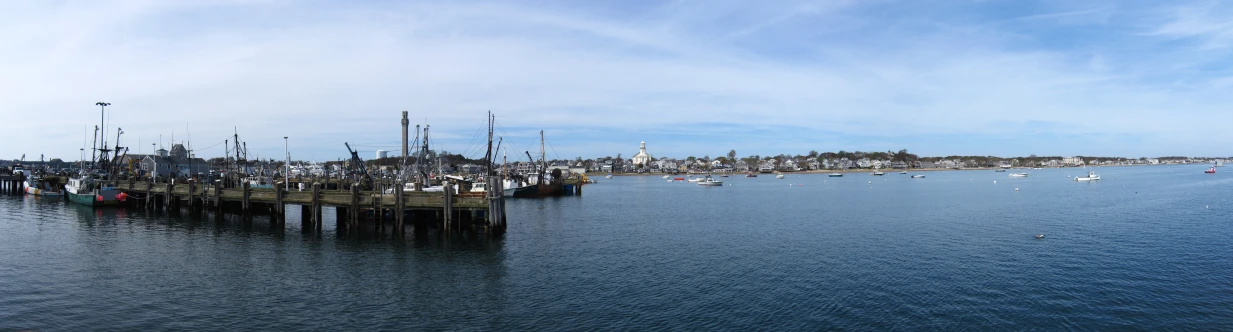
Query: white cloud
x,y
328,75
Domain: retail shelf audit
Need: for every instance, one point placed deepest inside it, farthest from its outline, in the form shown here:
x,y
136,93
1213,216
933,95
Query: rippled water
x,y
1146,248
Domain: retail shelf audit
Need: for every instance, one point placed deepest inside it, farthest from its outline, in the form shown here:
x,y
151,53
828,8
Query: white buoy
x,y
870,182
995,181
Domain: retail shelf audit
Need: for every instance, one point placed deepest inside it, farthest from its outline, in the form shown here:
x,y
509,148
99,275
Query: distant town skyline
x,y
1051,78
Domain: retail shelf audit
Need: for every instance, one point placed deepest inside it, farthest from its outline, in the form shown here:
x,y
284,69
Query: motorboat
x,y
835,175
665,176
1091,176
918,176
609,176
1018,175
1000,170
1211,170
751,175
878,173
696,179
779,176
709,182
903,172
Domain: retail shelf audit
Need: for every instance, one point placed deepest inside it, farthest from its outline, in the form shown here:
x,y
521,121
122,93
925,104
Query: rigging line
x,y
472,145
513,146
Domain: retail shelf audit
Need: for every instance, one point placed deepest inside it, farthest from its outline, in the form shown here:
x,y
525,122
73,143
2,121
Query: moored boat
x,y
88,191
43,186
709,182
918,176
1018,175
1211,170
1091,176
835,175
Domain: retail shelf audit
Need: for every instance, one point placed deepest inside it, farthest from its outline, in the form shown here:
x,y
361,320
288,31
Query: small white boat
x,y
665,176
1091,176
710,182
903,172
780,176
918,176
878,173
695,180
1018,175
835,175
608,177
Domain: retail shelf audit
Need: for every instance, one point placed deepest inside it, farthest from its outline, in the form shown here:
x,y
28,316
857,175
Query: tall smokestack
x,y
405,151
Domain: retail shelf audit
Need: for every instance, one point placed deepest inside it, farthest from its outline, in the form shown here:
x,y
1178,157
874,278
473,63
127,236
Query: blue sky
x,y
691,78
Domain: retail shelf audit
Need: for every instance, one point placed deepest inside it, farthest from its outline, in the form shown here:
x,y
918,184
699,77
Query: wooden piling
x,y
399,210
354,215
278,211
316,208
447,214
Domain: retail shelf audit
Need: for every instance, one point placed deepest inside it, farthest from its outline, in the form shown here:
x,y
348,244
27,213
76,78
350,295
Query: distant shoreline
x,y
910,170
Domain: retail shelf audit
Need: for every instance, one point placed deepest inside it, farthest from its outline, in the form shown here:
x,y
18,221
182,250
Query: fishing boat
x,y
778,176
835,175
878,173
1000,170
903,172
918,176
751,175
43,186
1018,175
87,190
1211,170
709,182
89,185
260,182
1091,176
665,176
546,185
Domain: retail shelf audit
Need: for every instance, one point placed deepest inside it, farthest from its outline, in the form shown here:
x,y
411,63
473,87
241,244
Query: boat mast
x,y
488,155
542,158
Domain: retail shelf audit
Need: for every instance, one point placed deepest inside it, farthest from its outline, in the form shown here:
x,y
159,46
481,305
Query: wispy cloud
x,y
766,79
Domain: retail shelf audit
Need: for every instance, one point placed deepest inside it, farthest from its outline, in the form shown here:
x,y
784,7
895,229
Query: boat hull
x,y
35,190
537,191
109,198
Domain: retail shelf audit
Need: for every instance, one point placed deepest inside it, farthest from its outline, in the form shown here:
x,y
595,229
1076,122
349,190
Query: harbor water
x,y
1144,248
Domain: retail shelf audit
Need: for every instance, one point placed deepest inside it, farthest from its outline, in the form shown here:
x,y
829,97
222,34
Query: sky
x,y
690,78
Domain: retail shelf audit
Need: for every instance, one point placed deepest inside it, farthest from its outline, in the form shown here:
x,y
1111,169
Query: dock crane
x,y
359,168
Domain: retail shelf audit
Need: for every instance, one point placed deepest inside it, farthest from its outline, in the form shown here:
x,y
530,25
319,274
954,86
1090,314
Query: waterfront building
x,y
642,158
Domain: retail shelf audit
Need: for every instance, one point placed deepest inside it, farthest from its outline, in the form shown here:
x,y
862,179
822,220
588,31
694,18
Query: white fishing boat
x,y
878,173
918,176
39,186
780,176
1091,176
835,175
665,176
696,180
1018,175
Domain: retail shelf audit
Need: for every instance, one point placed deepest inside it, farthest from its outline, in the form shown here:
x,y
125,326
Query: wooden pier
x,y
446,211
10,184
482,212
